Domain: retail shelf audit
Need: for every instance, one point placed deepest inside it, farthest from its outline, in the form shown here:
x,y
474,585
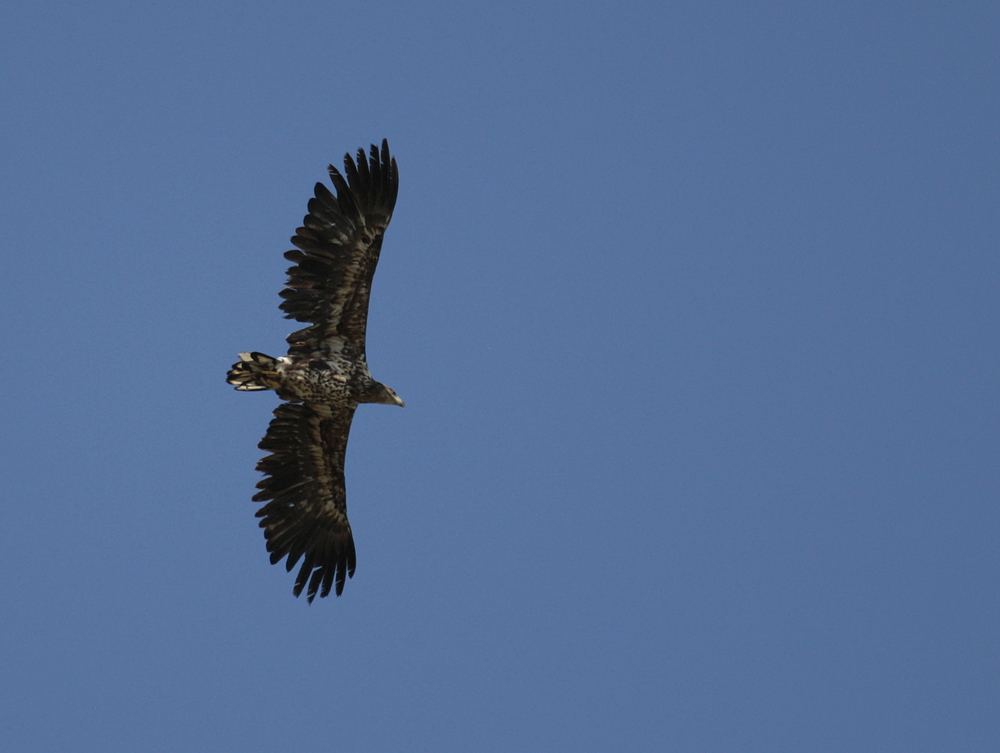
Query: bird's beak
x,y
399,402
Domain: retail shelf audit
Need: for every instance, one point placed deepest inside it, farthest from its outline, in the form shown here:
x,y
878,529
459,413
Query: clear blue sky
x,y
694,307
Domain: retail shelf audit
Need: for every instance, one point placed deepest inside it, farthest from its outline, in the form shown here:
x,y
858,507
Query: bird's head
x,y
386,395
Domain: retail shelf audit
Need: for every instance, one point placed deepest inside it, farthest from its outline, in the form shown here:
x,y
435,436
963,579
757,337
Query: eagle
x,y
325,375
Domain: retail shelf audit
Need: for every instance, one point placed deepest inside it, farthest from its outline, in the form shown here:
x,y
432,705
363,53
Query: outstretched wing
x,y
335,256
306,510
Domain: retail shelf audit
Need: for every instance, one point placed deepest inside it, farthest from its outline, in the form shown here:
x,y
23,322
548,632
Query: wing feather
x,y
306,510
337,250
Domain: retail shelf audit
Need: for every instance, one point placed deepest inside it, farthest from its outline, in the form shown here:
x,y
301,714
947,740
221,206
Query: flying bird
x,y
325,375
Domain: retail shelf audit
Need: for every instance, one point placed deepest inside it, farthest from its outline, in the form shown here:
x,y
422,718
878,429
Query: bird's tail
x,y
254,371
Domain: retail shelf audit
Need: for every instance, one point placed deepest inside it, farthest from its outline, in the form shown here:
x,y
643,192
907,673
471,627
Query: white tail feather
x,y
255,371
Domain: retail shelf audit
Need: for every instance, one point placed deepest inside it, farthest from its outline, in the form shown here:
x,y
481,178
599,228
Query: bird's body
x,y
323,379
325,375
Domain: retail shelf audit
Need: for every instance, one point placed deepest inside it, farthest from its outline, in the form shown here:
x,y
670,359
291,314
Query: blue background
x,y
695,310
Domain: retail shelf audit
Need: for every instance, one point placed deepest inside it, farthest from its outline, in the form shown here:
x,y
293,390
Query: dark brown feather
x,y
306,510
338,249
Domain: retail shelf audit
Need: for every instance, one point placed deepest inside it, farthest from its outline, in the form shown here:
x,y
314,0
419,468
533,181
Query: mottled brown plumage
x,y
325,375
